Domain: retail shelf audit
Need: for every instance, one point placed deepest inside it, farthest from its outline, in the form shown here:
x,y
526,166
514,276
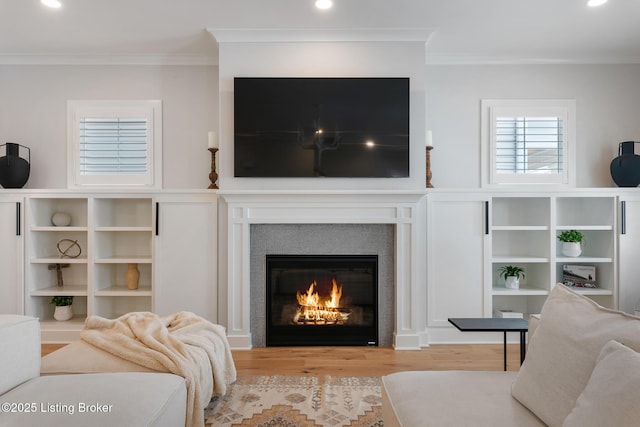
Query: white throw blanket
x,y
182,343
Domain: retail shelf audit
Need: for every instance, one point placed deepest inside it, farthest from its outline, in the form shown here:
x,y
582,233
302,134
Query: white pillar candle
x,y
429,142
213,139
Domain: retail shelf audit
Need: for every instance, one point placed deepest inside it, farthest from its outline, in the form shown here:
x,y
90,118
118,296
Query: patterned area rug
x,y
287,401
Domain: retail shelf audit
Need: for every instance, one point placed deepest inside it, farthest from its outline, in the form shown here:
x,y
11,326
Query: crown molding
x,y
106,59
462,59
307,35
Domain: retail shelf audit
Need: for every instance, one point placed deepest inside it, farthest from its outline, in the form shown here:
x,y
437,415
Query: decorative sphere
x,y
61,219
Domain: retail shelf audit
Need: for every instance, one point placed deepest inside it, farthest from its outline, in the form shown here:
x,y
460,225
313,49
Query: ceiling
x,y
458,31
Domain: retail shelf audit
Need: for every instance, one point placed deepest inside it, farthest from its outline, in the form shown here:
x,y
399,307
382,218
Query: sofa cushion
x,y
121,399
564,349
612,393
20,354
80,357
453,398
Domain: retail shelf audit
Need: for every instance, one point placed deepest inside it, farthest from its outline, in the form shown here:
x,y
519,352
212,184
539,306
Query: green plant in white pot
x,y
571,242
511,275
64,310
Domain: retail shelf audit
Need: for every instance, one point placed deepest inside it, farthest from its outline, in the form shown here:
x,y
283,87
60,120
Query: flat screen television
x,y
321,127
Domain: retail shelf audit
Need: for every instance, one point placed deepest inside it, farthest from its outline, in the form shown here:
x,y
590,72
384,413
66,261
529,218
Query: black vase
x,y
625,169
14,170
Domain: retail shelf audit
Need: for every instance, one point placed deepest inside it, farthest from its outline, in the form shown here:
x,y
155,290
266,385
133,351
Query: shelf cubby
x,y
520,212
42,209
113,306
523,244
575,212
123,213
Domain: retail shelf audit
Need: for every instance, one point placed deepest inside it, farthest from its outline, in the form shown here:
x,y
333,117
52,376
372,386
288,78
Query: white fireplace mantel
x,y
403,209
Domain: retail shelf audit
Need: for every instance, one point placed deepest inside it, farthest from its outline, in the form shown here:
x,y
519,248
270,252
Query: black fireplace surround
x,y
354,322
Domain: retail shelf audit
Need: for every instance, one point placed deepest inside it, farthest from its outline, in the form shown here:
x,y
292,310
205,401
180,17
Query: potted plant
x,y
512,275
571,242
63,309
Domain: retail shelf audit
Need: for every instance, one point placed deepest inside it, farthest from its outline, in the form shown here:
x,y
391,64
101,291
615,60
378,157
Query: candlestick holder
x,y
213,176
429,174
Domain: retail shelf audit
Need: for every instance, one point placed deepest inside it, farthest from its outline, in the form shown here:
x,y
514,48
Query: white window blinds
x,y
113,145
529,145
527,141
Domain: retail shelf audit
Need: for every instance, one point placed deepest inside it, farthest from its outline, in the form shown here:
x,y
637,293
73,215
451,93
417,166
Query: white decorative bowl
x,y
61,219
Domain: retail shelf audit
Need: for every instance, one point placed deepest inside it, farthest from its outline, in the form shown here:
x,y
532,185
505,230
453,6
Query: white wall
x,y
445,98
339,59
608,112
33,113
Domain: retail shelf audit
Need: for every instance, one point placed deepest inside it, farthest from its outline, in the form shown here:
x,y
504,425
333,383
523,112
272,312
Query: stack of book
x,y
507,314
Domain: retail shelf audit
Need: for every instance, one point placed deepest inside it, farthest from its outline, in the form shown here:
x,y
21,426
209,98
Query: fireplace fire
x,y
322,300
313,310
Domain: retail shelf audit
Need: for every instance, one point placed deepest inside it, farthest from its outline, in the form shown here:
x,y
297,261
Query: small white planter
x,y
512,282
571,249
63,312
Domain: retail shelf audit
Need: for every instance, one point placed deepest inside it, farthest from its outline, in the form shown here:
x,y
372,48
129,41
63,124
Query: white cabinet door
x,y
629,252
185,259
11,236
456,239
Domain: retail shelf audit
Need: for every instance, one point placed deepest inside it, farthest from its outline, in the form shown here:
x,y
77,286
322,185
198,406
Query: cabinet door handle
x,y
18,219
486,217
623,217
157,219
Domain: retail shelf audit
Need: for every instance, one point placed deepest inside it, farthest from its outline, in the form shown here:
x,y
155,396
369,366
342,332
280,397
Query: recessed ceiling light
x,y
54,4
596,3
324,4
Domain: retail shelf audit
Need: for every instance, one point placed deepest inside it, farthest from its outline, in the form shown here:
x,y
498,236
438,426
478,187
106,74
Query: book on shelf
x,y
579,276
508,314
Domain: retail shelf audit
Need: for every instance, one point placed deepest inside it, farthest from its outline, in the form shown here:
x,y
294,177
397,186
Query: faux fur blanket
x,y
182,343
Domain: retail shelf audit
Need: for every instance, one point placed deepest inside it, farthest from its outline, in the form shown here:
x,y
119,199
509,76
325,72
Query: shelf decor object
x,y
429,147
625,169
133,276
61,219
571,242
14,169
70,249
511,275
213,149
213,176
64,308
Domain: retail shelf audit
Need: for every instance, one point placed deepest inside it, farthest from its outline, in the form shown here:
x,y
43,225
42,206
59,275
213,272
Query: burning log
x,y
313,310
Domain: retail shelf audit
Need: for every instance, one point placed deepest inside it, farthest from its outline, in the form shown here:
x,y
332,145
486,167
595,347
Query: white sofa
x,y
582,369
104,399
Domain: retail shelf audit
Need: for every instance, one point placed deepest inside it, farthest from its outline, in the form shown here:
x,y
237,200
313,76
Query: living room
x,y
458,57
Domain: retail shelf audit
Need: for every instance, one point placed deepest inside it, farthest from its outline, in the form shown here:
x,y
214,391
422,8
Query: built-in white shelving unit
x,y
524,231
112,232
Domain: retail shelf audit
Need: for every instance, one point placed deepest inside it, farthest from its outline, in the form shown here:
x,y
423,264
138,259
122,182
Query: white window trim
x,y
490,108
151,109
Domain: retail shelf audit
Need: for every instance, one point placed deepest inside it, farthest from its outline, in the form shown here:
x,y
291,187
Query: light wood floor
x,y
365,361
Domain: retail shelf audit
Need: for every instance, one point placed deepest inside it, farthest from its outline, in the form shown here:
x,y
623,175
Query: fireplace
x,y
322,300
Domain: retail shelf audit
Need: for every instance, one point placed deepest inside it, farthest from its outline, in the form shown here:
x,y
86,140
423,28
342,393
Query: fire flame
x,y
315,310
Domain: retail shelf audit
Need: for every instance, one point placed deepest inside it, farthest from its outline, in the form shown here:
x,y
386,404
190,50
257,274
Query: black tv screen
x,y
321,127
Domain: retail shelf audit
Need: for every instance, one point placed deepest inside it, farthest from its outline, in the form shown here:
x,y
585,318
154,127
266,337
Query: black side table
x,y
492,324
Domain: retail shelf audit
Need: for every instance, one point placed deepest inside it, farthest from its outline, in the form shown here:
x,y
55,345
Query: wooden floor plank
x,y
365,361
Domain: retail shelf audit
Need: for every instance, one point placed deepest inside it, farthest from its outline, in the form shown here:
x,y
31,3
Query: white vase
x,y
63,312
512,282
571,249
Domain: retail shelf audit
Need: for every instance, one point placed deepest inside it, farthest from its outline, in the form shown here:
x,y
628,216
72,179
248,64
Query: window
x,y
528,142
114,143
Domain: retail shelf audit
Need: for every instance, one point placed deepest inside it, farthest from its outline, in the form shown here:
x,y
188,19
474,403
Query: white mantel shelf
x,y
403,209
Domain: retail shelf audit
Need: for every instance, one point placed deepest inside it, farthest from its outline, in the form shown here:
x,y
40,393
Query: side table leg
x,y
523,347
505,349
